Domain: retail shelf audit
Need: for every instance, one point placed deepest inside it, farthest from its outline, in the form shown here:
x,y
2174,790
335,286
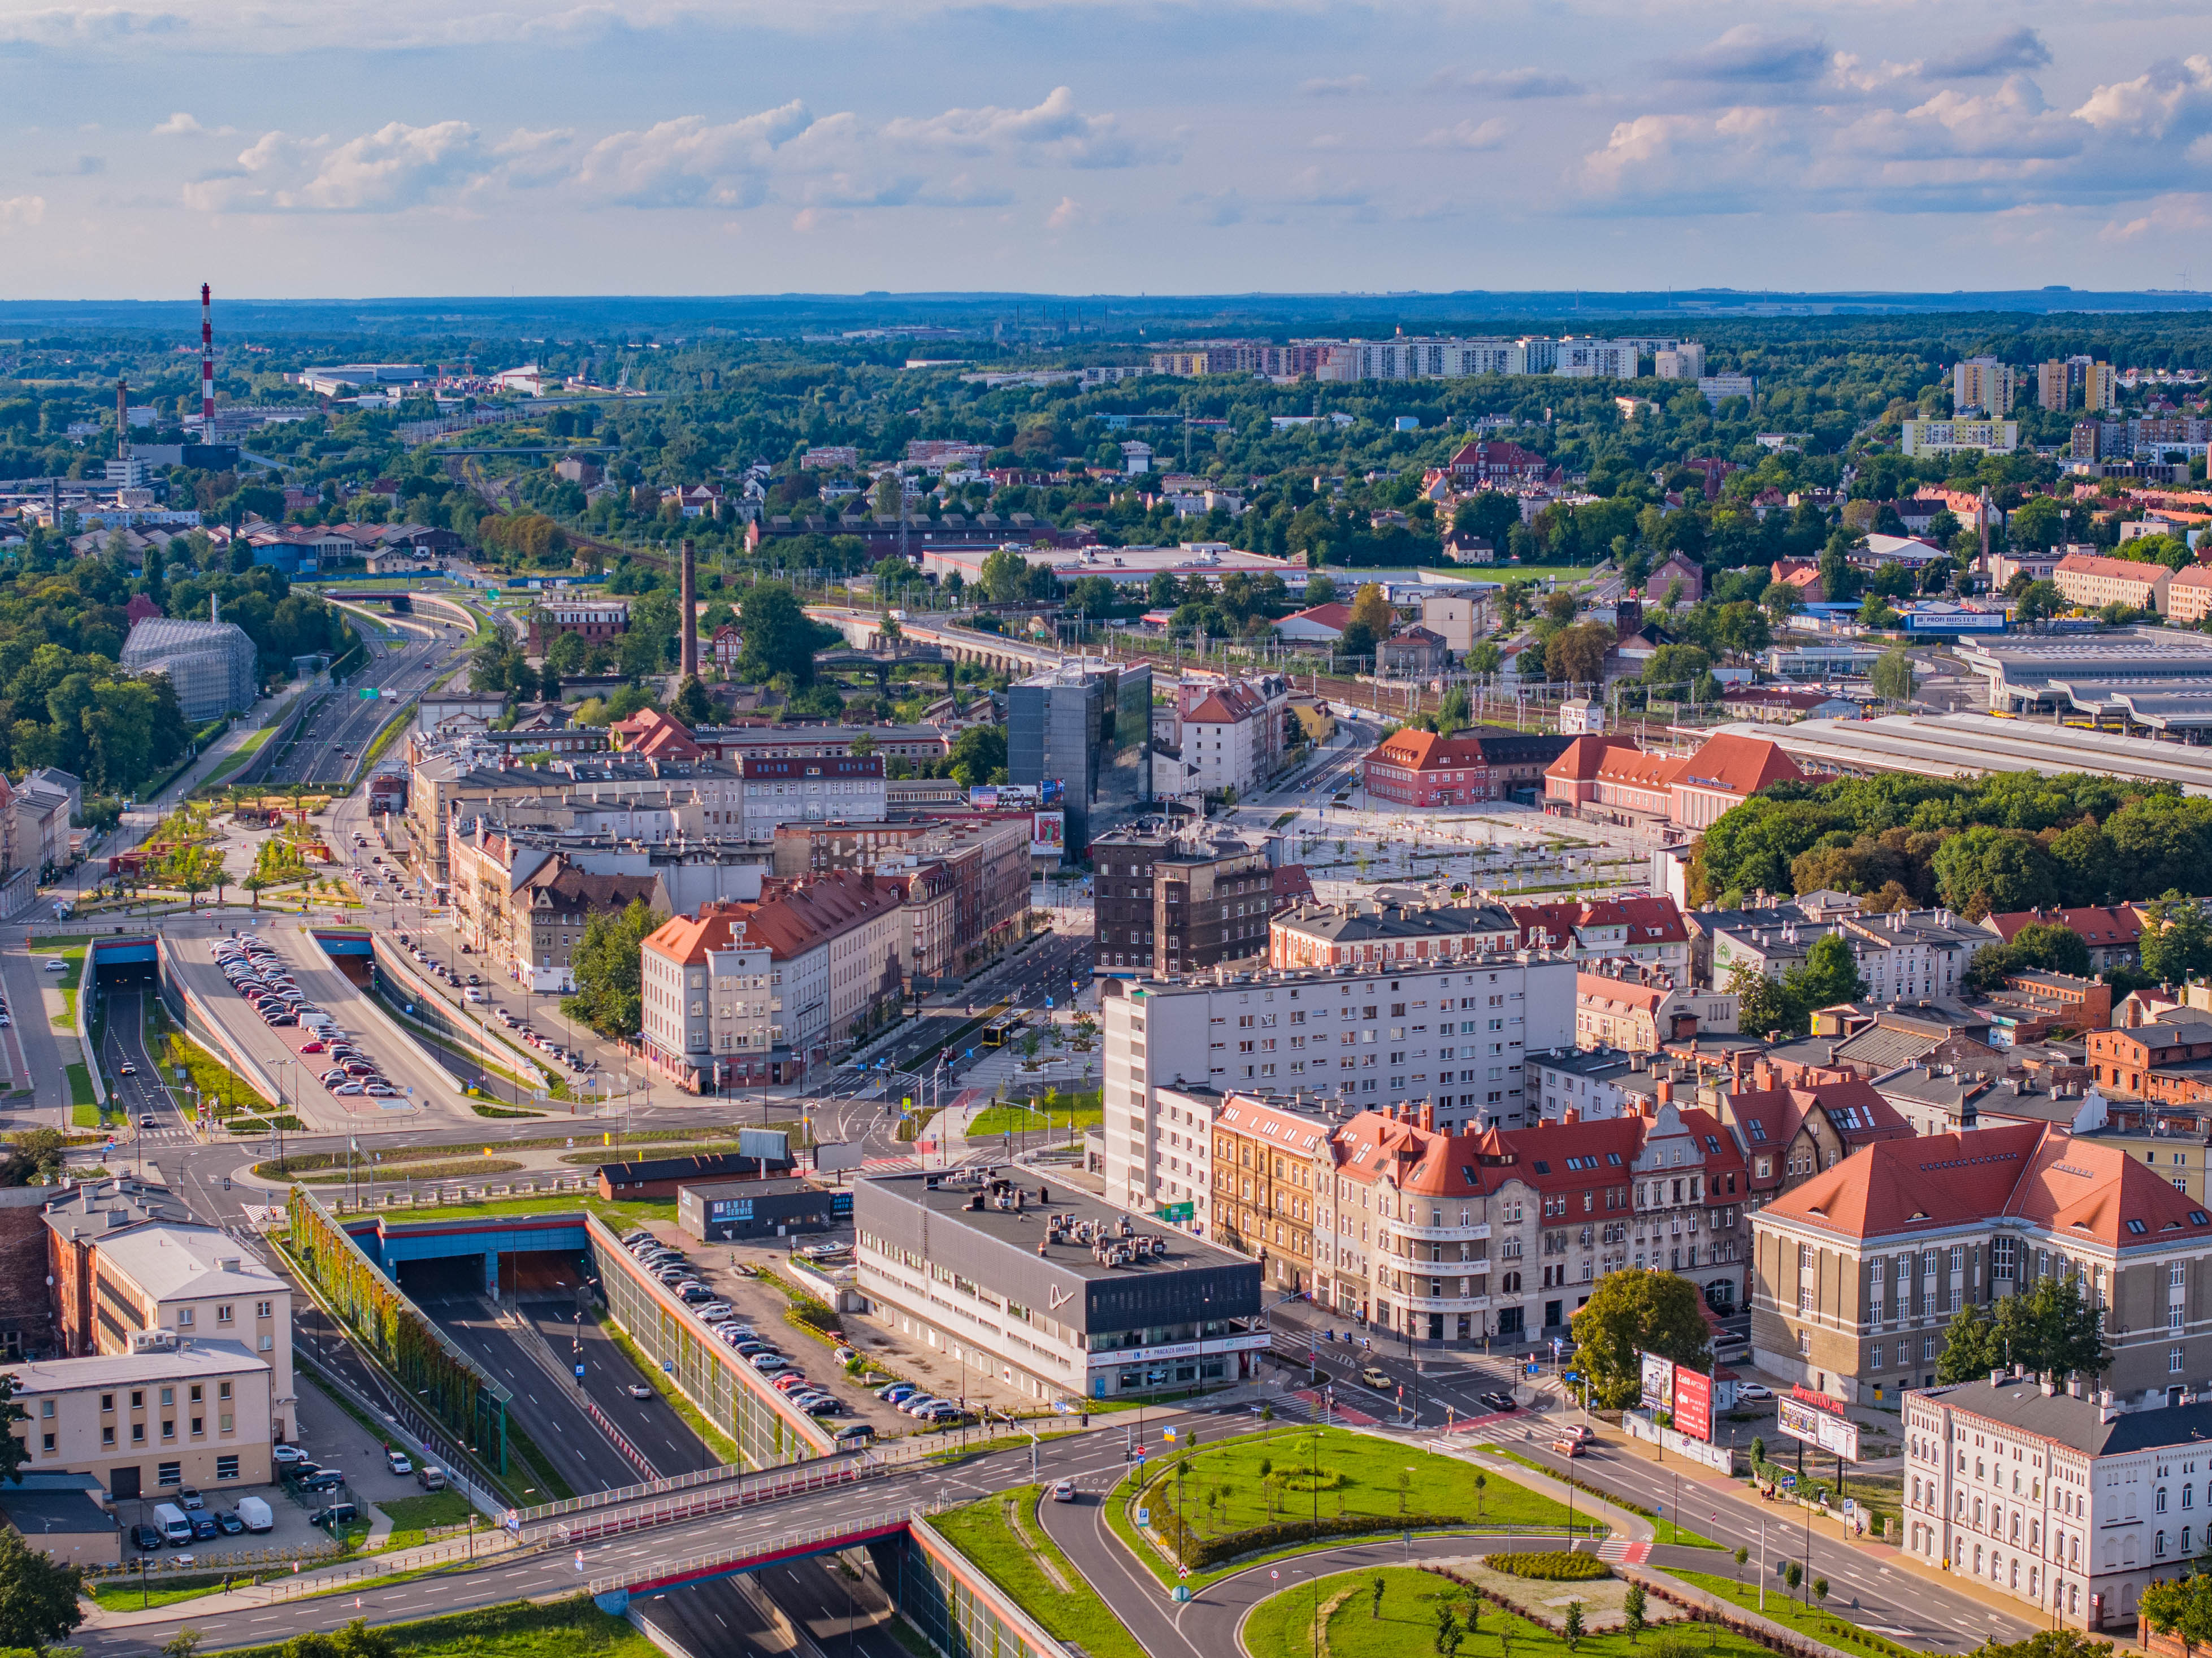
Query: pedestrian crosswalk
x,y
1629,1552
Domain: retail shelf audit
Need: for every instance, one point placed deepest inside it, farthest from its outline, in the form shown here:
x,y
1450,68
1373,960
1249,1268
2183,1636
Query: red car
x,y
311,1047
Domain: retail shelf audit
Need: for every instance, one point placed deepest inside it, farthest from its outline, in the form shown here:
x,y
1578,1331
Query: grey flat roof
x,y
1026,1228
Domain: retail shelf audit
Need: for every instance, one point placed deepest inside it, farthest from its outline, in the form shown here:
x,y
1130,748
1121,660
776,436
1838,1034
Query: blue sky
x,y
414,146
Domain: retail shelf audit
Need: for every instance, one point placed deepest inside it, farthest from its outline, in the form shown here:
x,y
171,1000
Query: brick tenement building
x,y
1271,1164
590,619
2153,1061
1419,769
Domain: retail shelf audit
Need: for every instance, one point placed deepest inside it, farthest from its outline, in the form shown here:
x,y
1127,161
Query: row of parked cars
x,y
917,1402
672,1267
257,973
186,1519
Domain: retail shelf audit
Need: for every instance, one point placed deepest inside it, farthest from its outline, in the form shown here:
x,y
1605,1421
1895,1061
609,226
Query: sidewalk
x,y
1890,1555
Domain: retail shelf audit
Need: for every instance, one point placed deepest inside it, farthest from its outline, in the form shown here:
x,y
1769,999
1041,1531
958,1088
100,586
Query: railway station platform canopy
x,y
2156,676
1972,745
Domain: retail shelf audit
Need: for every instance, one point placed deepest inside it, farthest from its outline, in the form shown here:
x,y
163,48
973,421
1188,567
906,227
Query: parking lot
x,y
330,1439
730,1272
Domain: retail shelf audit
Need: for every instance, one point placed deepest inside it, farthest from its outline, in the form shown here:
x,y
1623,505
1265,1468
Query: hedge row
x,y
1287,1533
1558,1565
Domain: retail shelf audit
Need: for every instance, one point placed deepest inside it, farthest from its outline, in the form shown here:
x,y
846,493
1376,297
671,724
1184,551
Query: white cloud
x,y
394,167
1471,135
18,212
1335,86
1067,215
178,126
1052,133
690,162
2169,215
2168,95
87,26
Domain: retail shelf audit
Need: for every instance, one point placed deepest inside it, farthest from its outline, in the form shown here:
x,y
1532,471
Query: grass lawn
x,y
1782,1609
1000,1534
1404,1623
574,1628
413,1517
237,757
1244,1483
1015,1119
1667,1531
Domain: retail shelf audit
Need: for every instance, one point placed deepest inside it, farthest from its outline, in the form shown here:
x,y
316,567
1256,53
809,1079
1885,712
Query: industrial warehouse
x,y
1968,744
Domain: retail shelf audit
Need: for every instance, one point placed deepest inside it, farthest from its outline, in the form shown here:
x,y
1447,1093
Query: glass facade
x,y
1088,726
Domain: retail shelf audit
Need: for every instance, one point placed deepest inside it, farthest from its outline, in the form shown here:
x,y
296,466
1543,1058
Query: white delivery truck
x,y
255,1512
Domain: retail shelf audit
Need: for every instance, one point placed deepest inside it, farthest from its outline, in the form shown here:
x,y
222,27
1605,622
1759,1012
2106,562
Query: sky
x,y
424,147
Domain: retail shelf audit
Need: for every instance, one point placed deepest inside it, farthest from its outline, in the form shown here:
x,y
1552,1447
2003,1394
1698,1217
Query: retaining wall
x,y
769,1428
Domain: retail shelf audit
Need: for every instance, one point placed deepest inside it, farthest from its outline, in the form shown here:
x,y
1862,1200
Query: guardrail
x,y
487,1542
621,1441
802,1481
857,1531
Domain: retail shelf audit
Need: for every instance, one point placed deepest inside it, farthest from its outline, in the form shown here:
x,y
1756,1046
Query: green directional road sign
x,y
368,694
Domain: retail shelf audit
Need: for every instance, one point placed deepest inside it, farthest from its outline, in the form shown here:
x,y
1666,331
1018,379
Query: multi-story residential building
x,y
2168,1062
1372,934
1641,1010
1421,769
1944,437
1649,932
1982,386
1795,1124
2093,582
1270,1165
1686,361
121,1267
811,790
590,619
1232,732
523,904
1501,1234
2056,1496
1496,465
1860,1268
2113,932
1460,619
164,1413
1589,1081
966,881
1163,904
712,1003
832,948
2189,595
1902,956
1455,1037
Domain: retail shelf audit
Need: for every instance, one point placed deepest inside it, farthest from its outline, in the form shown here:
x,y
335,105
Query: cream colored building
x,y
2189,595
1458,619
2092,582
170,1412
1940,437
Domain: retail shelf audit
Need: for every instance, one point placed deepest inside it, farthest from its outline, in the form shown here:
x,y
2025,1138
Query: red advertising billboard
x,y
1693,1403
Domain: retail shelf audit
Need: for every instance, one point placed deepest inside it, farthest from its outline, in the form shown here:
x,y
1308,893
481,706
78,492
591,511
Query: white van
x,y
320,1021
176,1530
255,1512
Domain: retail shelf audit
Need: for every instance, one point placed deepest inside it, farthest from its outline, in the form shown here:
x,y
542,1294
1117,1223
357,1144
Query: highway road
x,y
328,746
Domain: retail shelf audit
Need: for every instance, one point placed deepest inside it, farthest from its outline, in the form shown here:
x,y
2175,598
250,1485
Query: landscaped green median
x,y
1256,1497
1001,1536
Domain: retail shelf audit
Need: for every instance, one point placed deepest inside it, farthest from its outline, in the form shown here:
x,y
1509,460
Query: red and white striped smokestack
x,y
207,368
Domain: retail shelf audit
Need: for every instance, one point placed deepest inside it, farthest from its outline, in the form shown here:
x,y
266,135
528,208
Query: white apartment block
x,y
1452,1038
1231,730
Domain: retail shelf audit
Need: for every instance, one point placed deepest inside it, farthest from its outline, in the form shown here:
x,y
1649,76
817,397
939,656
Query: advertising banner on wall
x,y
1658,1382
1693,1403
1835,1434
1048,834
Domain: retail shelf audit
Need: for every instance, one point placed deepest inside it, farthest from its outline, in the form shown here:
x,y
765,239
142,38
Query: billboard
x,y
1836,1434
1015,797
1693,1403
1658,1382
769,1145
1049,834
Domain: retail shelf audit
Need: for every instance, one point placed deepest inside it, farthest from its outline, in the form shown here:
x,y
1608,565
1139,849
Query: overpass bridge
x,y
863,635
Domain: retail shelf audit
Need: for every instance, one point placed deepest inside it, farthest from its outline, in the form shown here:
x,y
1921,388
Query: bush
x,y
1554,1565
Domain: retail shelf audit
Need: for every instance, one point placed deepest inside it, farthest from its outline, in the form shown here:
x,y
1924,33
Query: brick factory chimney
x,y
688,661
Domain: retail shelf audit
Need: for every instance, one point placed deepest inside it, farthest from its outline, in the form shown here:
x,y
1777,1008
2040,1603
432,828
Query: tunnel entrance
x,y
523,1275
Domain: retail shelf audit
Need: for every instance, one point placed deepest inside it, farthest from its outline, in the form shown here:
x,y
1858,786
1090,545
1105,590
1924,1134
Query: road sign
x,y
579,1373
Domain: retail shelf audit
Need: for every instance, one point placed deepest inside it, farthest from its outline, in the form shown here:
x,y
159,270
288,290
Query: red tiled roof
x,y
1328,615
2100,925
1738,765
1585,756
